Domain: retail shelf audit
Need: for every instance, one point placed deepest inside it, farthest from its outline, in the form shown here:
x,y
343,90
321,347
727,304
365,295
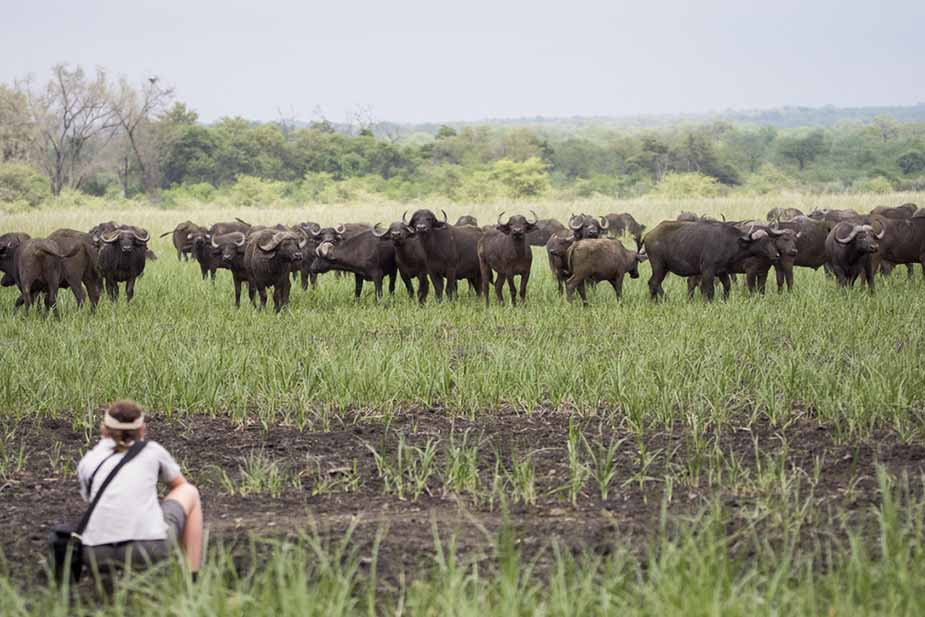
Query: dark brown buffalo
x,y
228,250
756,268
619,225
544,229
360,252
9,243
35,266
704,249
439,244
586,227
182,238
783,214
850,250
121,259
220,229
833,216
905,211
557,251
810,245
599,260
79,268
409,256
903,242
467,219
505,251
268,255
199,241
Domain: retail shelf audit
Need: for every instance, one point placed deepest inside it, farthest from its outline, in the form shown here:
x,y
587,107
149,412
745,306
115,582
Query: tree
x,y
886,127
72,120
15,127
445,132
912,162
134,110
803,149
522,179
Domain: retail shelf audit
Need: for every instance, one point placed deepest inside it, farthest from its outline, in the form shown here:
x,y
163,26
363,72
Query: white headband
x,y
116,425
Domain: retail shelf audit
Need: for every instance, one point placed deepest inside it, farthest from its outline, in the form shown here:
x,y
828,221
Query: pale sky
x,y
420,60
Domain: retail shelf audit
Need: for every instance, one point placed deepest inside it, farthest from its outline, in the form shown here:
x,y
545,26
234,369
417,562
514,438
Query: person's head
x,y
124,422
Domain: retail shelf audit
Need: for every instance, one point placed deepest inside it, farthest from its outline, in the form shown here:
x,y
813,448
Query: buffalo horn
x,y
242,240
110,237
882,233
214,245
273,243
445,220
499,217
854,231
314,229
378,233
141,238
604,223
572,222
536,219
404,217
340,229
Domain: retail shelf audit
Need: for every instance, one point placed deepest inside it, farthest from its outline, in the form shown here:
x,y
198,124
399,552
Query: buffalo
x,y
182,236
543,231
756,268
9,243
79,266
902,242
585,226
268,255
557,251
308,230
850,250
35,267
704,249
228,253
600,259
505,250
121,259
409,256
905,211
467,219
439,244
220,229
833,216
810,246
783,214
360,252
622,224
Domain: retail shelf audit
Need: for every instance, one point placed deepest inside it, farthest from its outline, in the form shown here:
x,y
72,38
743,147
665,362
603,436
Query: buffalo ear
x,y
505,229
439,225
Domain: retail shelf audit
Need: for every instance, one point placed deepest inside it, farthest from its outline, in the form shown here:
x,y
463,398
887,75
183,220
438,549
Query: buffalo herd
x,y
433,253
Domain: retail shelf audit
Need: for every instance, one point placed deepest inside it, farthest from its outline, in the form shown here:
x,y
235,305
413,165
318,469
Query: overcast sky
x,y
429,60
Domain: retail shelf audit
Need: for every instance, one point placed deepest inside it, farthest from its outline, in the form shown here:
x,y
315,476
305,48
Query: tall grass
x,y
181,346
694,568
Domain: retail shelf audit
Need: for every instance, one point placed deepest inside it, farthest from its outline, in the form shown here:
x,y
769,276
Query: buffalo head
x,y
228,246
128,238
424,221
862,237
283,245
517,226
759,242
398,233
586,226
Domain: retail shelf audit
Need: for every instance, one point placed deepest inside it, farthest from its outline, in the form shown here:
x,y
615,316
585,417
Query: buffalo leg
x,y
112,289
357,286
869,275
237,291
617,284
392,280
726,281
451,285
129,289
377,285
303,279
406,280
423,288
910,271
26,297
499,288
437,280
77,289
524,279
707,289
18,303
512,288
277,298
655,281
751,281
693,282
262,292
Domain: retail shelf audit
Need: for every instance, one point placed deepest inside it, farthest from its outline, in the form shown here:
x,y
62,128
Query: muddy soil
x,y
330,481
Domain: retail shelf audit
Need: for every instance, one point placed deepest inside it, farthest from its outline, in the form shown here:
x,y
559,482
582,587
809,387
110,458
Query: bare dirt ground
x,y
43,490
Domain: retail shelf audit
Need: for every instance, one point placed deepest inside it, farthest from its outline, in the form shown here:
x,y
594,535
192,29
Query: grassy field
x,y
678,407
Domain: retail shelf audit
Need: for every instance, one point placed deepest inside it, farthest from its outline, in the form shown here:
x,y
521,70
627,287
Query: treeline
x,y
113,138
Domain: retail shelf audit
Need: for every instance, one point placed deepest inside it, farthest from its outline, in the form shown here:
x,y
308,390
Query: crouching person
x,y
130,527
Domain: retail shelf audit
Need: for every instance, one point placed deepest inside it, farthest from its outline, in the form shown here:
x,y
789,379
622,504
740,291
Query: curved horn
x,y
214,245
139,237
340,229
882,233
273,243
110,237
242,240
776,231
445,220
604,222
854,231
404,217
314,229
378,233
499,217
572,224
536,219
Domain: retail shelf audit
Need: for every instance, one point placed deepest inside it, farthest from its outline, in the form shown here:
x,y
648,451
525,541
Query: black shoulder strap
x,y
93,475
132,452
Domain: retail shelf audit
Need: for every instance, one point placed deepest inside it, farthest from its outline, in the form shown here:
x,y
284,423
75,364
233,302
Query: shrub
x,y
250,191
20,182
522,180
678,186
878,184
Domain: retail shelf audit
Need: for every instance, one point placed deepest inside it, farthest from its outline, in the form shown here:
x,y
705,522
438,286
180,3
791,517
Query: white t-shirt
x,y
129,509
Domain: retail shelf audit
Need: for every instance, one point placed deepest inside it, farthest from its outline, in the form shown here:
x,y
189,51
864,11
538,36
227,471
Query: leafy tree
x,y
445,132
803,149
911,162
522,179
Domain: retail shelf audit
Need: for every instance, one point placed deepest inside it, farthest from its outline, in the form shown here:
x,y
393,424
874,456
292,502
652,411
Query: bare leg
x,y
187,496
523,286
